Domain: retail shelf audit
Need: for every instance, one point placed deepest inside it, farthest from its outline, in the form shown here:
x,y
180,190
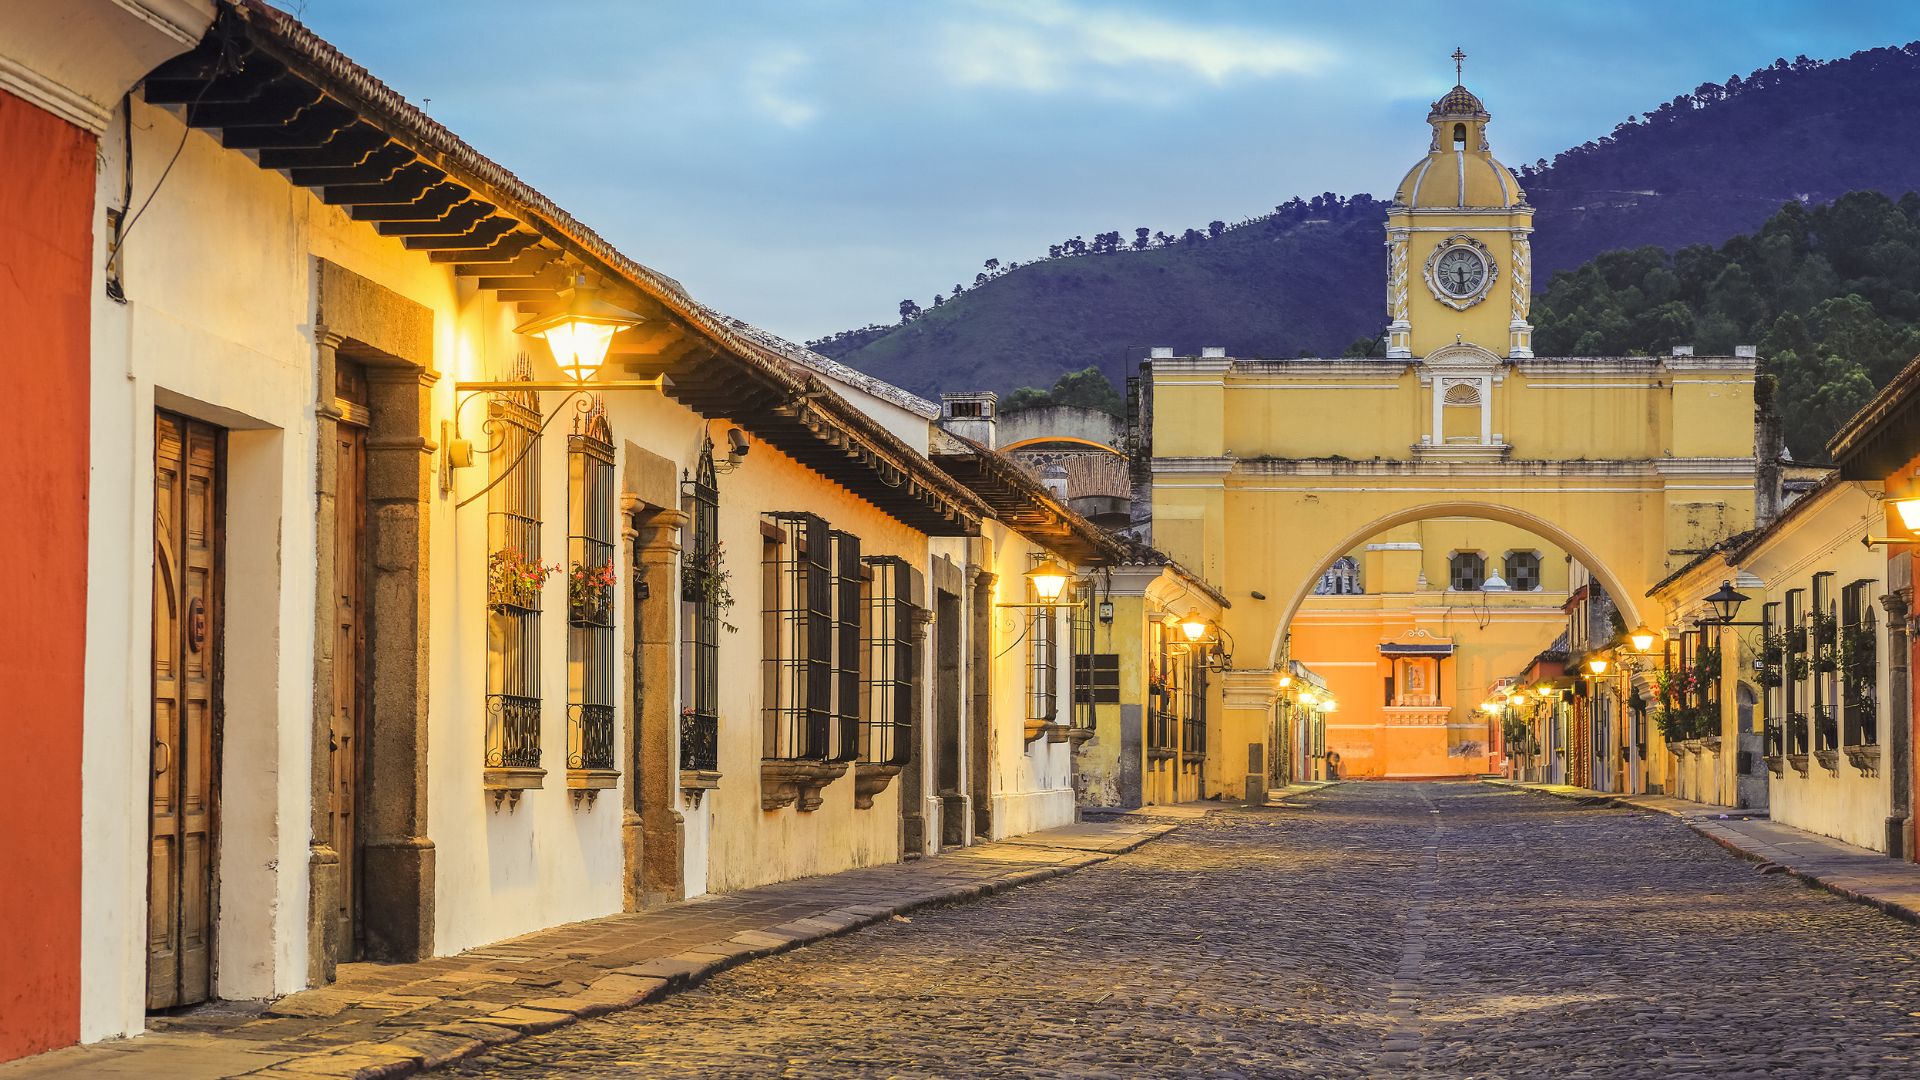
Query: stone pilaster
x,y
397,858
1899,726
323,861
653,831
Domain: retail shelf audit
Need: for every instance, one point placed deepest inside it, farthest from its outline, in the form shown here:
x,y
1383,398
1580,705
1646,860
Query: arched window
x,y
1466,570
590,593
1341,579
1461,419
1523,571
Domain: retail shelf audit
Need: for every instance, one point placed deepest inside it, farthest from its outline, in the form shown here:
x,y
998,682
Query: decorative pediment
x,y
1416,642
1461,357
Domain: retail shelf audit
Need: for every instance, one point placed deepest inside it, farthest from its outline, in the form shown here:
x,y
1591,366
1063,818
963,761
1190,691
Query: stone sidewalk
x,y
386,1020
1854,873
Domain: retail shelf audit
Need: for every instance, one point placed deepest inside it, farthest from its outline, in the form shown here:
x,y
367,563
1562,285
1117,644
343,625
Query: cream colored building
x,y
1803,683
1266,472
460,646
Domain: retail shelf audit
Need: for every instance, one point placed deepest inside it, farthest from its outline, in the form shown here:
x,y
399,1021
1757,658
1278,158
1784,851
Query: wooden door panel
x,y
349,664
186,662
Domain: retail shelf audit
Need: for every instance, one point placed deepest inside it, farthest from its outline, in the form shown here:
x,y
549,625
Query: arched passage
x,y
1624,598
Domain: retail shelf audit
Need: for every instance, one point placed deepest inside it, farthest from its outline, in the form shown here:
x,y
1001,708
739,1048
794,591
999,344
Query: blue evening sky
x,y
806,164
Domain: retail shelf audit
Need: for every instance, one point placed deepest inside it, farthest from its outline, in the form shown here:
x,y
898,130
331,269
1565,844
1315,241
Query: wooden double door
x,y
185,754
351,615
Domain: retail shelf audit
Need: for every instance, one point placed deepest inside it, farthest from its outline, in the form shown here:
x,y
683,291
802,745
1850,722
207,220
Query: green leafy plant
x,y
515,581
590,593
705,579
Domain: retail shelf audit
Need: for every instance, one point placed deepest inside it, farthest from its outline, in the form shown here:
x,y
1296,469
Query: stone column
x,y
652,829
1247,696
1899,730
323,862
396,855
913,778
980,695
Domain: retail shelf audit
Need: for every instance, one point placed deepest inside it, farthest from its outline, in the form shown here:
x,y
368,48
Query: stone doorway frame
x,y
652,828
392,337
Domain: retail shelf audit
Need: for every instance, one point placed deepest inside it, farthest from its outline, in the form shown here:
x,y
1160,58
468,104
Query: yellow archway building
x,y
1263,472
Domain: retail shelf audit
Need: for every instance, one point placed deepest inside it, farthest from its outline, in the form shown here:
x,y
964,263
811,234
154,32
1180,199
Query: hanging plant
x,y
1770,677
705,579
1798,667
1773,646
1826,657
515,581
590,594
1857,647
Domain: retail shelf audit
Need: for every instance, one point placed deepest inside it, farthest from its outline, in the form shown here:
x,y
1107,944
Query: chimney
x,y
971,416
1769,445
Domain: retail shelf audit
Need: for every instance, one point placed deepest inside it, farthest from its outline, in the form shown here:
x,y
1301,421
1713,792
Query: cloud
x,y
767,82
1048,46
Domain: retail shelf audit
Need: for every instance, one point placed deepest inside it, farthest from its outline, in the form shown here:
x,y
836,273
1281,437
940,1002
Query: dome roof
x,y
1470,178
1459,101
1474,179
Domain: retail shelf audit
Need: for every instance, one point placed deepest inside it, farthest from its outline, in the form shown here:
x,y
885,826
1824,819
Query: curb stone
x,y
436,1047
1714,831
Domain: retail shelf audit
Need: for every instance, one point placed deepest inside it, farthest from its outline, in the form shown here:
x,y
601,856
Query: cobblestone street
x,y
1373,929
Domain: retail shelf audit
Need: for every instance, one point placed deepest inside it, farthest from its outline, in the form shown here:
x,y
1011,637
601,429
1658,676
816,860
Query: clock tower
x,y
1459,265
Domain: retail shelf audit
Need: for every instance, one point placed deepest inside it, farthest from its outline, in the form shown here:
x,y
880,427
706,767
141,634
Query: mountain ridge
x,y
1309,278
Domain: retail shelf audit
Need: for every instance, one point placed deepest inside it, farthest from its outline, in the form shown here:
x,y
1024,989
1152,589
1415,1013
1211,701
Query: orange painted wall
x,y
46,255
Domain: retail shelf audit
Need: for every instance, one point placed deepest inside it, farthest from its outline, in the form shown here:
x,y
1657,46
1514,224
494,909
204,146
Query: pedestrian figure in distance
x,y
1333,765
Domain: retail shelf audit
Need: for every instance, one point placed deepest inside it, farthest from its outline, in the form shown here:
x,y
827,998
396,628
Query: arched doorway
x,y
1434,615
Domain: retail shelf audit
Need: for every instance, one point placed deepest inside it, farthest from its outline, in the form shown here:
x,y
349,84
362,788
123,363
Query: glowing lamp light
x,y
1193,625
1489,707
1516,700
1306,697
580,333
1048,579
1329,705
1286,681
1909,511
1597,665
1642,638
1544,691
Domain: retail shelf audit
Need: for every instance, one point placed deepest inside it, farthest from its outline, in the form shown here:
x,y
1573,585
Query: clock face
x,y
1460,272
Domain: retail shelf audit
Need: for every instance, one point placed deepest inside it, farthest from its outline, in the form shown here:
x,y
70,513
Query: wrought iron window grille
x,y
797,622
889,659
700,620
513,608
590,592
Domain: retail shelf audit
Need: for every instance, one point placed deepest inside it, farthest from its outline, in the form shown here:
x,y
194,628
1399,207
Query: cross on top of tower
x,y
1459,58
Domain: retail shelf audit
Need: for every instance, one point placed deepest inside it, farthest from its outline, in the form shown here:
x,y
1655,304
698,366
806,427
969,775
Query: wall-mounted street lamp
x,y
579,335
1906,511
1049,581
1597,666
1642,638
1725,602
1193,625
581,332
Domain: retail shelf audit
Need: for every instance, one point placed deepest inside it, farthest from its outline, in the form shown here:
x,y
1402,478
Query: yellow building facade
x,y
1264,472
1411,640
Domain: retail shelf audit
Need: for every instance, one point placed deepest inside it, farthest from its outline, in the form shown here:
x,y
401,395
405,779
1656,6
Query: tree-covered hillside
x,y
1830,294
1309,277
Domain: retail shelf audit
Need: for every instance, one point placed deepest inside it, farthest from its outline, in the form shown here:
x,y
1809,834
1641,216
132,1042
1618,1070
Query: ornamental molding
x,y
1195,466
1457,242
